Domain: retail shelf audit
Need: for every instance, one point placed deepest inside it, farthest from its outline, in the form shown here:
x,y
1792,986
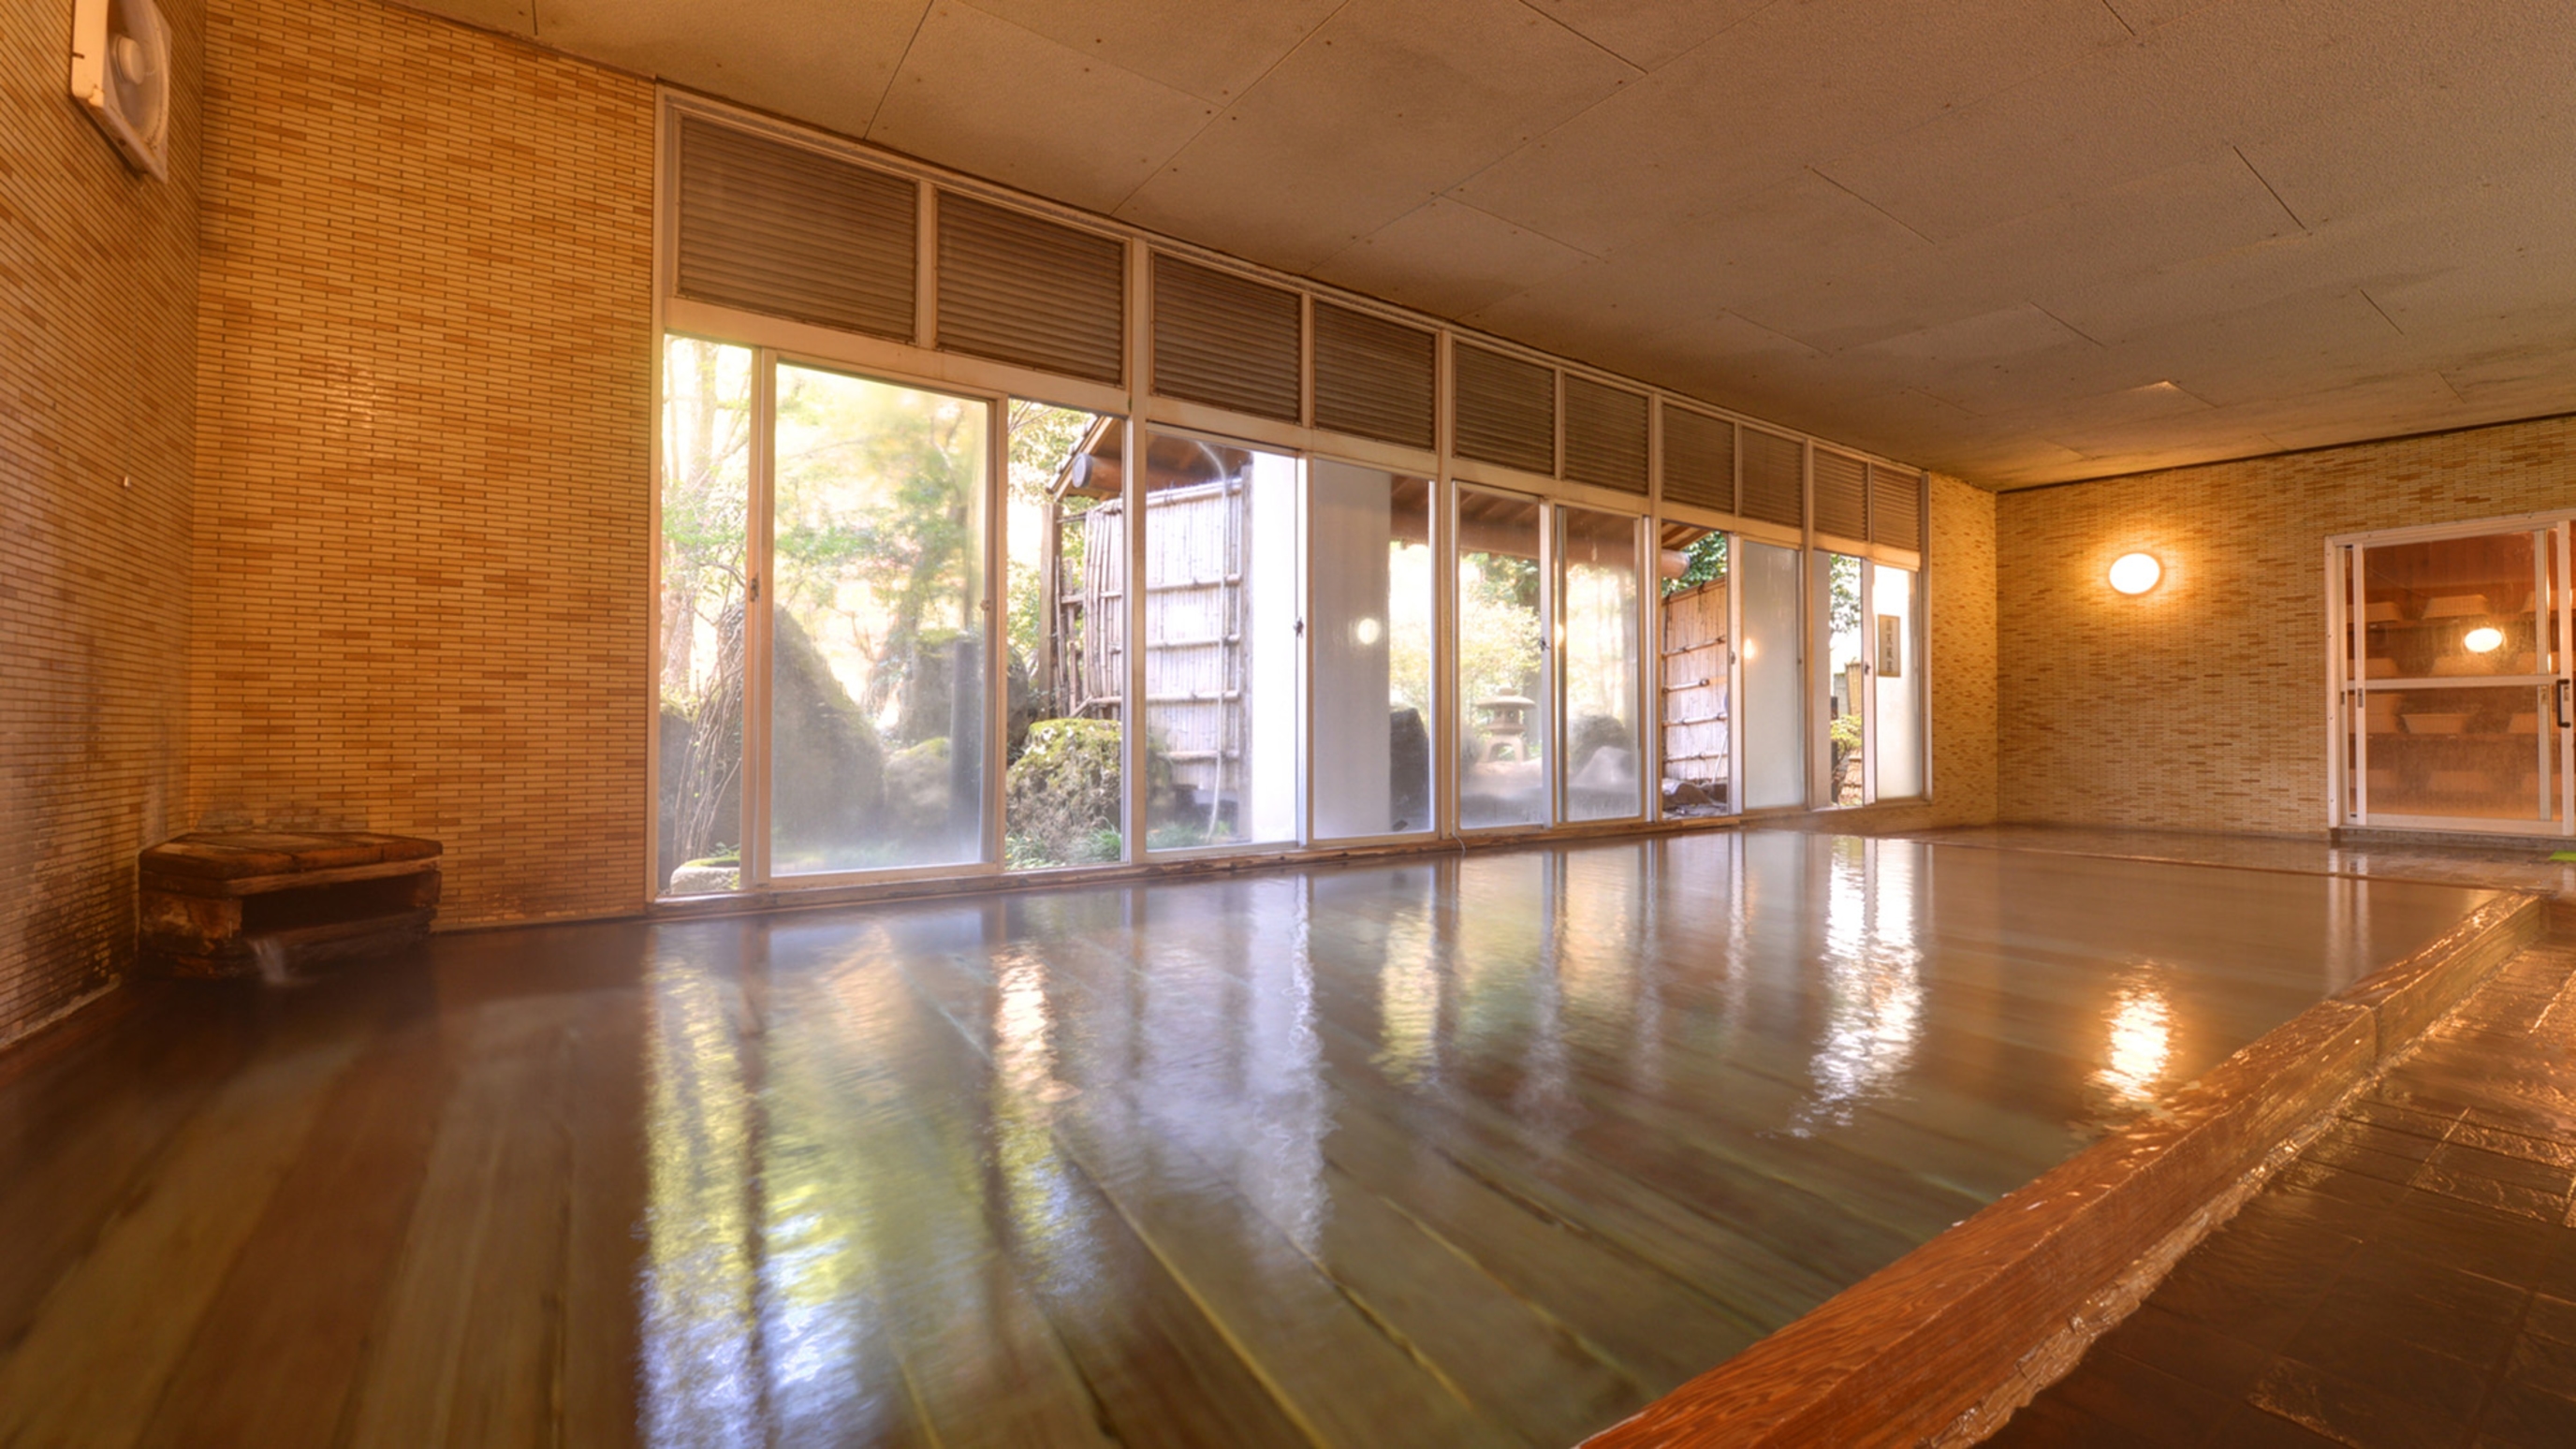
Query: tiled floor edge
x,y
1939,1347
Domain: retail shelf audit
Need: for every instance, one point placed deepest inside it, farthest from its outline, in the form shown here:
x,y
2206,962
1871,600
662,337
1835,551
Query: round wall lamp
x,y
2135,573
2484,639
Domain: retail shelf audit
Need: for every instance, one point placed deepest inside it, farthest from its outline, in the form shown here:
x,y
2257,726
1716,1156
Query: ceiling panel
x,y
1216,62
1388,104
1449,259
823,61
1066,125
1647,33
1790,87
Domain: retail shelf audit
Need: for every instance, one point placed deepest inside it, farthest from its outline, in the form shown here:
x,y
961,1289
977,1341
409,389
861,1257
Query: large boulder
x,y
1064,793
827,770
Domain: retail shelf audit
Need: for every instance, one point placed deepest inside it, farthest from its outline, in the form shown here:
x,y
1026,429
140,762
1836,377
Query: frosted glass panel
x,y
1774,718
1222,710
1370,587
1066,543
876,668
1502,674
1597,628
1898,677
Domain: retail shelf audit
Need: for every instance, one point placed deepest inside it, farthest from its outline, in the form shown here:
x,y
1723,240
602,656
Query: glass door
x,y
2454,688
1224,614
1501,660
1600,654
873,639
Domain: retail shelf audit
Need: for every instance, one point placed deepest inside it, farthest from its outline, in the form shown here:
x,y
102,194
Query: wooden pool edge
x,y
1941,1346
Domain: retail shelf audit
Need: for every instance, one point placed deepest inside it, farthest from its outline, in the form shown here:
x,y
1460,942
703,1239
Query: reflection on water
x,y
1874,992
1368,1150
2140,1042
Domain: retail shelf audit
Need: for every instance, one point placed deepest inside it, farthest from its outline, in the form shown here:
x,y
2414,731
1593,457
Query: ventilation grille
x,y
771,227
1506,410
1015,288
1774,485
1605,435
1699,460
1896,507
1225,340
1842,495
1373,378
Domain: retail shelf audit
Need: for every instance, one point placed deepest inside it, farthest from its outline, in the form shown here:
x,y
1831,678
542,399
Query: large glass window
x,y
1063,799
1694,680
876,651
1897,686
1598,634
1844,685
1774,714
1500,666
1221,651
707,429
1369,584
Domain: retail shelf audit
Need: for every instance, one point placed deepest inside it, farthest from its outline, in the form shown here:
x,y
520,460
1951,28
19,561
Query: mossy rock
x,y
1064,789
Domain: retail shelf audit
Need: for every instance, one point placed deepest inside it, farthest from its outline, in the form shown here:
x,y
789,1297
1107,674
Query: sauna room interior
x,y
1325,723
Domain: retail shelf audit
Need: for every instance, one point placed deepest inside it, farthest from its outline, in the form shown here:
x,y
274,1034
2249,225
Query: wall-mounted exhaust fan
x,y
121,73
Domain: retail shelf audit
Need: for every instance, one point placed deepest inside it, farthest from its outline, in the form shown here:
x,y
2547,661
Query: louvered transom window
x,y
1775,485
1896,506
1019,288
1373,377
1699,460
1605,435
1225,340
1505,410
1842,494
773,227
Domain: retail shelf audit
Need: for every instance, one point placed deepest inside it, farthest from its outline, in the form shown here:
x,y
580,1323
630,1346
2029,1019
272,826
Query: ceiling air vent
x,y
1842,495
1605,435
1506,410
1018,288
121,76
1699,460
772,227
1896,506
1224,340
1774,479
1373,377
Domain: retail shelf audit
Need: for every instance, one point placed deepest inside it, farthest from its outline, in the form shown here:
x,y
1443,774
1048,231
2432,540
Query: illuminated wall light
x,y
2135,573
2484,639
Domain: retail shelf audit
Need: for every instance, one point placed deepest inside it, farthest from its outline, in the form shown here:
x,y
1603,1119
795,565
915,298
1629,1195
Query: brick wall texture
x,y
97,347
2202,704
424,480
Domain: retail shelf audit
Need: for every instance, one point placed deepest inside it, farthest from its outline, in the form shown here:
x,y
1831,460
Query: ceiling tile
x,y
516,17
1069,125
823,61
1791,86
1447,258
1183,50
1647,33
1385,106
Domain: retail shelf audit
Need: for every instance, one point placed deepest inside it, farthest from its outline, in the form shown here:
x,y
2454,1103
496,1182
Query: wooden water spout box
x,y
275,902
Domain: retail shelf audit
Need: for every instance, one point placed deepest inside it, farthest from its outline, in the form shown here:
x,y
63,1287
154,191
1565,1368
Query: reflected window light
x,y
2485,639
2138,1045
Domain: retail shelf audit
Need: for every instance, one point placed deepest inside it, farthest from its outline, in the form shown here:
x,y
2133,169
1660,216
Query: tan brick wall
x,y
2202,703
423,481
97,346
